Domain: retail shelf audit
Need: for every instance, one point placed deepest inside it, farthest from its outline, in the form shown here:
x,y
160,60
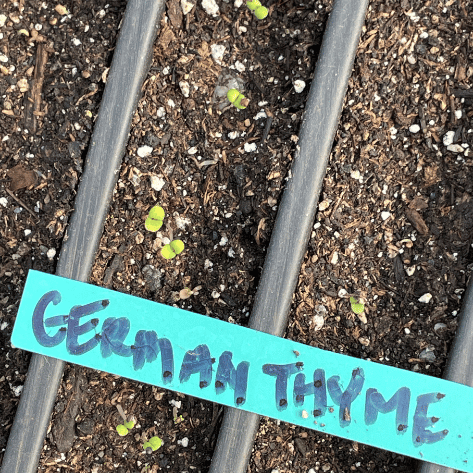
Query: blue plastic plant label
x,y
409,413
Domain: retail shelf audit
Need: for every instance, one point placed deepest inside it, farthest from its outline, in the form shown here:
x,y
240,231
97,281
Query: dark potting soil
x,y
394,226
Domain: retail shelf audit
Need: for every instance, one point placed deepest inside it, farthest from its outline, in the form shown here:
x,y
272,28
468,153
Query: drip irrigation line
x,y
297,210
130,65
459,366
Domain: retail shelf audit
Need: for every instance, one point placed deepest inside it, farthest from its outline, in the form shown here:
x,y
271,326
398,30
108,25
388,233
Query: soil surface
x,y
394,226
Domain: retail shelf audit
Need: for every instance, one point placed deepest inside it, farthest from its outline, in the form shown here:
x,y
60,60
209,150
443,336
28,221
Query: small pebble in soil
x,y
299,85
439,326
414,128
426,298
427,354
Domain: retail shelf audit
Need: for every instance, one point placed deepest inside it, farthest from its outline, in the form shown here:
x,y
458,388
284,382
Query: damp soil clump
x,y
393,227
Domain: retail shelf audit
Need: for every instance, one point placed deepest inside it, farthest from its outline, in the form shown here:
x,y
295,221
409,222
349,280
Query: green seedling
x,y
172,249
261,13
253,5
153,443
155,219
178,420
356,307
237,99
127,425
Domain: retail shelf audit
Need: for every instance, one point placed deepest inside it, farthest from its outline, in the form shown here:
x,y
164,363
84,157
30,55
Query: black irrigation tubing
x,y
459,367
130,65
297,211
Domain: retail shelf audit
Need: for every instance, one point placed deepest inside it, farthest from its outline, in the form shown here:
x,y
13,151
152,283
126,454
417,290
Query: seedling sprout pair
x,y
128,423
153,223
260,11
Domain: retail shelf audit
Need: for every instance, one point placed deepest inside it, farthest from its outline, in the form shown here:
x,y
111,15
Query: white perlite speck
x,y
299,85
414,128
144,151
385,215
76,42
176,404
211,7
355,175
239,66
185,89
181,222
17,390
318,322
184,442
455,148
161,112
157,182
426,298
458,114
250,147
3,201
3,19
186,6
217,51
51,253
448,138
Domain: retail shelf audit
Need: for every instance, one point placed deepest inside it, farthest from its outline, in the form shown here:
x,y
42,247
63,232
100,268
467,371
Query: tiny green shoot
x,y
261,13
253,5
356,307
122,430
237,99
155,219
153,443
172,249
178,420
128,423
